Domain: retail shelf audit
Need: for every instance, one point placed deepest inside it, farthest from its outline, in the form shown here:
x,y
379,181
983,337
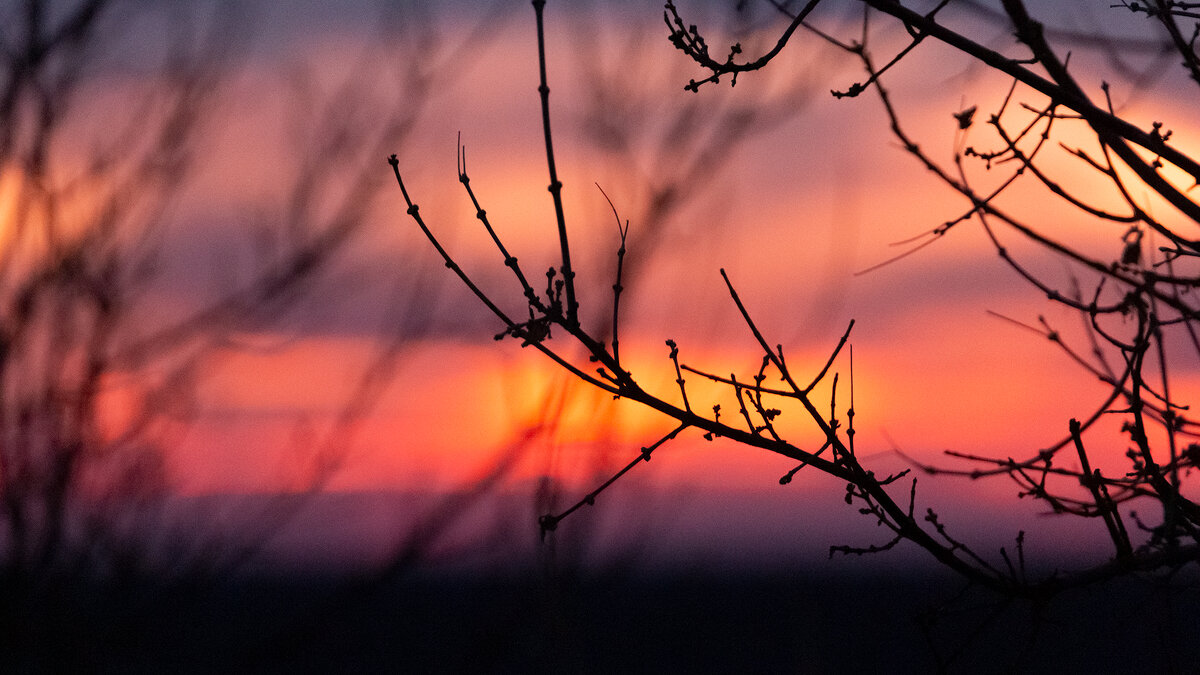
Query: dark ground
x,y
691,624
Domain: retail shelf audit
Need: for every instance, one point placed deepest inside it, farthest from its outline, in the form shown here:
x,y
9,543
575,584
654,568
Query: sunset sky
x,y
793,205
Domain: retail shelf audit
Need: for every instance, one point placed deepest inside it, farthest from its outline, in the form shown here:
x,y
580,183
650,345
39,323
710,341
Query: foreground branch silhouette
x,y
1134,303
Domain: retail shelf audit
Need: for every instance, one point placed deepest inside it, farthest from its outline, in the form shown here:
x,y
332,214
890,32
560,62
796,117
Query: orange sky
x,y
791,214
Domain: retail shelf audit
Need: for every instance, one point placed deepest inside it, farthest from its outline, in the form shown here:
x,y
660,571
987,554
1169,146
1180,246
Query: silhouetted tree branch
x,y
1136,299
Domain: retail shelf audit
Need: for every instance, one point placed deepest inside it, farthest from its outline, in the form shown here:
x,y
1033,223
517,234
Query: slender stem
x,y
555,184
549,522
679,375
623,231
510,260
1093,482
758,336
833,356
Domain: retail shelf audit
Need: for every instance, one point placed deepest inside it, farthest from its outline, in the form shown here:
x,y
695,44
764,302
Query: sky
x,y
796,195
